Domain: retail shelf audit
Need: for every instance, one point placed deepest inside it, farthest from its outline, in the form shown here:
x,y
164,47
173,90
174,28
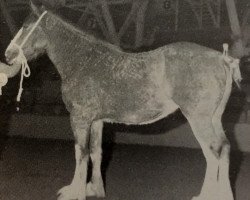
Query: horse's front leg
x,y
77,188
95,186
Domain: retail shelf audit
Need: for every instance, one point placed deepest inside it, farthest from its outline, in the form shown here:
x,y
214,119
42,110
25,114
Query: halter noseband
x,y
21,57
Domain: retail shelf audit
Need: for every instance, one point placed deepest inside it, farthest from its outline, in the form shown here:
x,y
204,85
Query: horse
x,y
102,83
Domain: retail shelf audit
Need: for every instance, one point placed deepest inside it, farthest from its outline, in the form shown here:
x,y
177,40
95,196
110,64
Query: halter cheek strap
x,y
21,57
29,34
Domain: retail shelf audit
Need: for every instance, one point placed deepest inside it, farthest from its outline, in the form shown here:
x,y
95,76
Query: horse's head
x,y
30,39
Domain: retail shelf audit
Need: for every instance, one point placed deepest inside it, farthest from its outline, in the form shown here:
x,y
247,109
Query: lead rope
x,y
21,57
24,73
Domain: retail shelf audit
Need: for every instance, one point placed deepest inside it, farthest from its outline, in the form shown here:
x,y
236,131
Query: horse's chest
x,y
84,93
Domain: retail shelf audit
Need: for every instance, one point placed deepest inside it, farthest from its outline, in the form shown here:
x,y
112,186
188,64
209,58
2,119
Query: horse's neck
x,y
71,51
64,47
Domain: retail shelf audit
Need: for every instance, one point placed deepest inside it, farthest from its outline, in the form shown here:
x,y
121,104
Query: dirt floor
x,y
32,169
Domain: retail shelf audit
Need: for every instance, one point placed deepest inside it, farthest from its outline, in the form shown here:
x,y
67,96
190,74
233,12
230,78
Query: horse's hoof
x,y
95,190
71,193
227,196
198,198
205,198
90,190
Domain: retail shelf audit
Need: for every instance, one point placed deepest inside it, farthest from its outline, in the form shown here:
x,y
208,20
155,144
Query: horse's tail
x,y
233,65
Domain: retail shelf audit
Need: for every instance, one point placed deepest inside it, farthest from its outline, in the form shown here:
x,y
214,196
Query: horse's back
x,y
157,81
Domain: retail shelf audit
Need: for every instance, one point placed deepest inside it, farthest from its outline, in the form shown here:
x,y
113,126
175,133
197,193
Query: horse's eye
x,y
25,26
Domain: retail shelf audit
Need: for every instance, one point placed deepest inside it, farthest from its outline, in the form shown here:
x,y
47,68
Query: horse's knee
x,y
96,137
81,130
81,153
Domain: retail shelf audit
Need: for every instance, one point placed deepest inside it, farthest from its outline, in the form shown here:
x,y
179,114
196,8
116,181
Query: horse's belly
x,y
144,115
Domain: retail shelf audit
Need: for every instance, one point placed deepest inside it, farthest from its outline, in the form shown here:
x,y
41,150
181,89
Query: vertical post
x,y
235,27
140,24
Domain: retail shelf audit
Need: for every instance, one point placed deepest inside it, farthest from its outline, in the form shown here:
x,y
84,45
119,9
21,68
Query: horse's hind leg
x,y
77,188
223,178
95,186
203,130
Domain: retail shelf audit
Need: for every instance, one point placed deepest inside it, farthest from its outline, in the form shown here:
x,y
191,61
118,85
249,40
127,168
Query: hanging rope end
x,y
19,94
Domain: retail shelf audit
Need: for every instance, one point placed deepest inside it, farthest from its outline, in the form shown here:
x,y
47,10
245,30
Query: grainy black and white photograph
x,y
124,99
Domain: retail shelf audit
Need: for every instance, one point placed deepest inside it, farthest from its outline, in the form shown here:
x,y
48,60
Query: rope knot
x,y
233,64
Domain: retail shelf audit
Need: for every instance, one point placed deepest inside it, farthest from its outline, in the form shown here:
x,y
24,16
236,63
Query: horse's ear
x,y
37,7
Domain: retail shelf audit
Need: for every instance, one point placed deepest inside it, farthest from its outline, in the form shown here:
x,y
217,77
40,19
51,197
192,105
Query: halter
x,y
21,57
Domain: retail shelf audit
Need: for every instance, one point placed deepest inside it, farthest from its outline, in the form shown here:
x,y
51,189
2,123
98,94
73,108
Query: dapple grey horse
x,y
101,83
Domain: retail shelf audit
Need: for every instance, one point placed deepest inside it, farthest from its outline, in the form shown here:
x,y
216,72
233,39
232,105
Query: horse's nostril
x,y
8,60
10,56
7,57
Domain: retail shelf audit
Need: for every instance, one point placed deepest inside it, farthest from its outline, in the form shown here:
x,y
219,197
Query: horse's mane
x,y
90,38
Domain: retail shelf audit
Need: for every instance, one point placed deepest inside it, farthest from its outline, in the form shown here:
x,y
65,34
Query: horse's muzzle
x,y
11,55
